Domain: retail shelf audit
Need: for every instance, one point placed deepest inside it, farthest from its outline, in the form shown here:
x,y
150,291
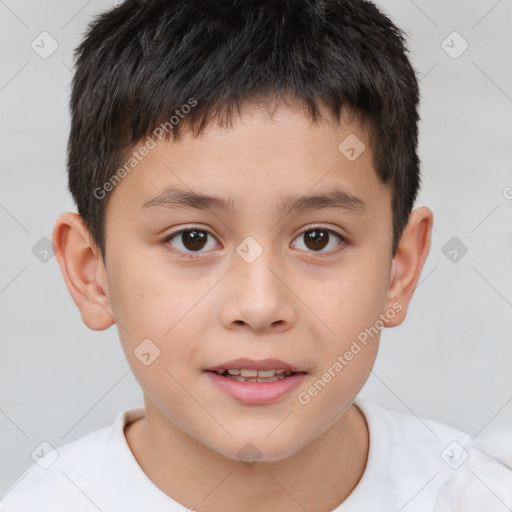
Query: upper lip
x,y
251,364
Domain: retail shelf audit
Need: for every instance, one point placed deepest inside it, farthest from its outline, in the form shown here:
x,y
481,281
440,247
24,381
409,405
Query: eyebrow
x,y
334,198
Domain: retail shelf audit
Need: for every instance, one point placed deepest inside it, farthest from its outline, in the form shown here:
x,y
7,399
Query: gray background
x,y
450,360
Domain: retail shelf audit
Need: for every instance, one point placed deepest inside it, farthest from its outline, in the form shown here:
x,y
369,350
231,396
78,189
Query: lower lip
x,y
256,393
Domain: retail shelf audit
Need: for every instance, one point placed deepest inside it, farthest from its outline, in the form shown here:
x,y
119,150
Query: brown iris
x,y
316,239
194,239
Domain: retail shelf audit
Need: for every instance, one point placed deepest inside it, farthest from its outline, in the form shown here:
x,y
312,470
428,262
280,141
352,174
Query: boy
x,y
250,258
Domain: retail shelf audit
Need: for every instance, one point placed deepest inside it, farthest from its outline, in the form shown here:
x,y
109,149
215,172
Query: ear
x,y
408,263
82,267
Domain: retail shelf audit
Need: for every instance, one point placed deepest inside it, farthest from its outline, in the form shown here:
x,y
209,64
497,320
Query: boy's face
x,y
303,299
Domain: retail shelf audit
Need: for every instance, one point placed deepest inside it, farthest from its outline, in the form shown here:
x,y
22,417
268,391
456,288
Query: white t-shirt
x,y
413,465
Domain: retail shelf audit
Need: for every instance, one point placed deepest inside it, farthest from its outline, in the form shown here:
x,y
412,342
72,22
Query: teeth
x,y
266,373
245,375
248,373
239,378
255,373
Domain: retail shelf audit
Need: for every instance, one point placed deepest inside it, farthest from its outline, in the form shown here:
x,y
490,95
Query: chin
x,y
258,450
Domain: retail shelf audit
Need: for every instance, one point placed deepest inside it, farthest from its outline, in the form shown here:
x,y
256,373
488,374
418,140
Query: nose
x,y
257,297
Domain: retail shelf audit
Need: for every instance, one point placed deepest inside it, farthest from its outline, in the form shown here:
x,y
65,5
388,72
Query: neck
x,y
317,477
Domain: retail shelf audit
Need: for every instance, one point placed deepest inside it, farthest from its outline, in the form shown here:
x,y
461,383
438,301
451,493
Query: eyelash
x,y
344,241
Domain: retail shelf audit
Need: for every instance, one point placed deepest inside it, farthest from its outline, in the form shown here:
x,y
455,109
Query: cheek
x,y
349,301
349,305
143,297
150,307
137,300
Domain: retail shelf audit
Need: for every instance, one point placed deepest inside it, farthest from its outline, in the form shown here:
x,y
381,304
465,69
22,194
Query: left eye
x,y
317,239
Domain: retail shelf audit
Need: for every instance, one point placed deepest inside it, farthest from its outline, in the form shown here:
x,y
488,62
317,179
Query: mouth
x,y
256,382
251,370
248,375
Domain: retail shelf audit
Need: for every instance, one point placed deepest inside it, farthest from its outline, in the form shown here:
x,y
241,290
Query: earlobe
x,y
83,270
408,262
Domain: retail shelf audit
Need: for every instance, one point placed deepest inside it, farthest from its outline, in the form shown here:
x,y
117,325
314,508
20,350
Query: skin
x,y
290,303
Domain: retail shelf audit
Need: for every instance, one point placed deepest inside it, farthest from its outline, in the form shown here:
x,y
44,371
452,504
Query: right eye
x,y
191,240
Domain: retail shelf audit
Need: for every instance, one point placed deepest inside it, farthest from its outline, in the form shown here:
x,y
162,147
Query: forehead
x,y
280,163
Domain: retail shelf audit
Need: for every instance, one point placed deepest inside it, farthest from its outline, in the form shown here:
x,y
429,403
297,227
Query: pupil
x,y
193,239
316,239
